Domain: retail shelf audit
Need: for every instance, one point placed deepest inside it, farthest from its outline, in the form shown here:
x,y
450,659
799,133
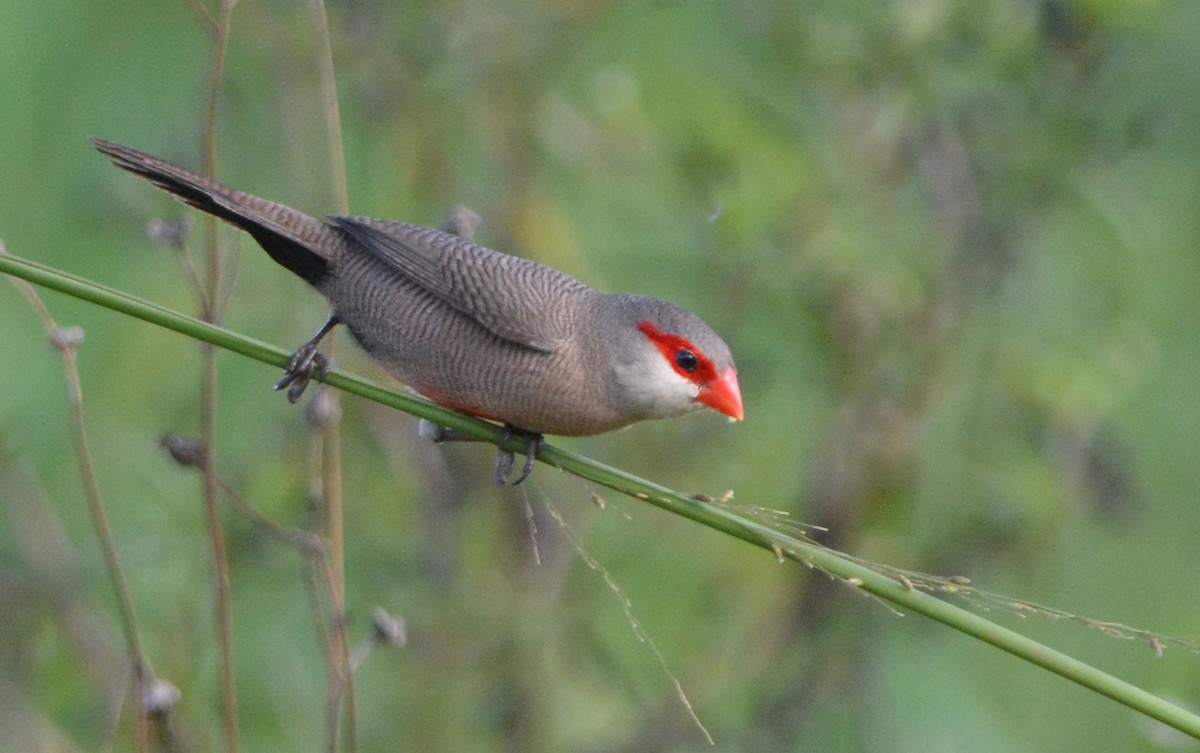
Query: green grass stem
x,y
717,517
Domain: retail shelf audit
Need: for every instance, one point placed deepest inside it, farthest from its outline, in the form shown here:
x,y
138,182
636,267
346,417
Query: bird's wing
x,y
513,298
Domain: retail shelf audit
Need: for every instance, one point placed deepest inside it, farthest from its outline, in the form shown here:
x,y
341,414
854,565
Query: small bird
x,y
482,332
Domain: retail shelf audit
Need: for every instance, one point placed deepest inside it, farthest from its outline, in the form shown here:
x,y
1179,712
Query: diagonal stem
x,y
692,507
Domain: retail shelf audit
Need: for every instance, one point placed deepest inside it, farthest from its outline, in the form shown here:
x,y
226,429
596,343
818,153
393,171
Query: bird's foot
x,y
305,364
505,460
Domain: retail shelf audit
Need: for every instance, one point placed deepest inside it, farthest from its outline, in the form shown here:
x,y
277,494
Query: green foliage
x,y
951,244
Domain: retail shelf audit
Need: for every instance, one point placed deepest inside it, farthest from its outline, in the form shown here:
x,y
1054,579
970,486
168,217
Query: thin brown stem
x,y
189,268
204,17
66,341
212,489
329,96
326,484
175,235
331,442
341,681
304,542
188,453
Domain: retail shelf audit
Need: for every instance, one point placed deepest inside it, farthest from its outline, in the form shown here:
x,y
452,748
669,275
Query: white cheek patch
x,y
656,388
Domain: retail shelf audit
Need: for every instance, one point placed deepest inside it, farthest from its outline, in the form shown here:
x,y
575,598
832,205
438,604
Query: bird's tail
x,y
299,242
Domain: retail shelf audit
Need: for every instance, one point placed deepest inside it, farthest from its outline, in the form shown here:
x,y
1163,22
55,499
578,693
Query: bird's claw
x,y
505,460
304,365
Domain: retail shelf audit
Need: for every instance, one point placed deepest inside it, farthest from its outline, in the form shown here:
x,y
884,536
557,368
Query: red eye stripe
x,y
670,345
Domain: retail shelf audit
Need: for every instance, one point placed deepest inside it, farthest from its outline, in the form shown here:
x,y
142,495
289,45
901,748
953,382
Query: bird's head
x,y
675,363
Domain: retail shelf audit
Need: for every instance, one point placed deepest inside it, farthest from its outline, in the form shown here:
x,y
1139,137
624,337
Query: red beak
x,y
723,395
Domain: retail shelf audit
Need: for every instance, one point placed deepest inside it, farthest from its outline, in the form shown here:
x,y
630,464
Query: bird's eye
x,y
686,360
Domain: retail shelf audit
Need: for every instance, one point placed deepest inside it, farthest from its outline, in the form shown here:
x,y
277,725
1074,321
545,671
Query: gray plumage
x,y
471,328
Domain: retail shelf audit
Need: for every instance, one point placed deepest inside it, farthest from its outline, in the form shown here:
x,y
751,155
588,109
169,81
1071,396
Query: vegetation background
x,y
953,246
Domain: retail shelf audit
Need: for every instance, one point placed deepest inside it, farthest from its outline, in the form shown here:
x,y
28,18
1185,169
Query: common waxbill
x,y
473,329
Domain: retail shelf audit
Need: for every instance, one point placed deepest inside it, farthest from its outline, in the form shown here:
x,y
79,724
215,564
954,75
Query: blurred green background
x,y
953,246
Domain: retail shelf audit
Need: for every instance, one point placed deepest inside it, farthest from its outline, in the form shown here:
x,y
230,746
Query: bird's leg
x,y
504,457
306,363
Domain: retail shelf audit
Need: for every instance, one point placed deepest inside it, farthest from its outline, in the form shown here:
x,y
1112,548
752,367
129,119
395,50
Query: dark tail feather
x,y
301,243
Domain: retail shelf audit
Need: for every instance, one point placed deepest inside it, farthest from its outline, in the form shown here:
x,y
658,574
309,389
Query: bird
x,y
492,335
